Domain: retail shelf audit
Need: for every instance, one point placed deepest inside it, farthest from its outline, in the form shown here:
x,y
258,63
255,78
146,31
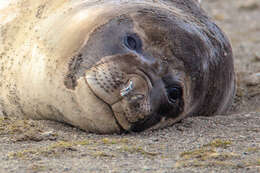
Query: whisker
x,y
91,78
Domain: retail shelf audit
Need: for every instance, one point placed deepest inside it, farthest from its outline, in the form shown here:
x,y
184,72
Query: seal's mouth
x,y
128,95
135,103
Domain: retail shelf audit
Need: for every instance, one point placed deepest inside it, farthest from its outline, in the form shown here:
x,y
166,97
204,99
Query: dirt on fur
x,y
223,143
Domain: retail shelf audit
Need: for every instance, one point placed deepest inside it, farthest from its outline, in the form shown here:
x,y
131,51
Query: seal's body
x,y
109,66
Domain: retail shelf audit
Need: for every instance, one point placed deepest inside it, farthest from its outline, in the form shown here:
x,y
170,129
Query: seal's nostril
x,y
137,97
174,93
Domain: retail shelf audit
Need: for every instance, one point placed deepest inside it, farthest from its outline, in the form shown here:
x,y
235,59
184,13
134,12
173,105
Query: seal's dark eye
x,y
132,42
174,93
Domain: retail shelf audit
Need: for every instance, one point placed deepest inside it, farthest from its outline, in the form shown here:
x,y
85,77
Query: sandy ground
x,y
229,143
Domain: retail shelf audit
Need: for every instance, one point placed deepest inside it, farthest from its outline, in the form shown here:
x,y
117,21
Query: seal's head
x,y
154,64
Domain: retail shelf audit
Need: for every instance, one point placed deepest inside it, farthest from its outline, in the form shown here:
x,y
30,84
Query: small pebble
x,y
249,5
219,17
257,56
46,134
253,79
247,115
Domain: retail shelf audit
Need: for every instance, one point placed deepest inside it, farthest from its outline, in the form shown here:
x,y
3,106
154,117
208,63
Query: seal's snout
x,y
165,99
138,95
134,104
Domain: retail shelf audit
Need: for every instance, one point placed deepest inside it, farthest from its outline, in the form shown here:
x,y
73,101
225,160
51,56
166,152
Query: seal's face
x,y
128,63
153,66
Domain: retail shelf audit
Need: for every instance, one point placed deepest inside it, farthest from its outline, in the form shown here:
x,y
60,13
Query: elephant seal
x,y
111,66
